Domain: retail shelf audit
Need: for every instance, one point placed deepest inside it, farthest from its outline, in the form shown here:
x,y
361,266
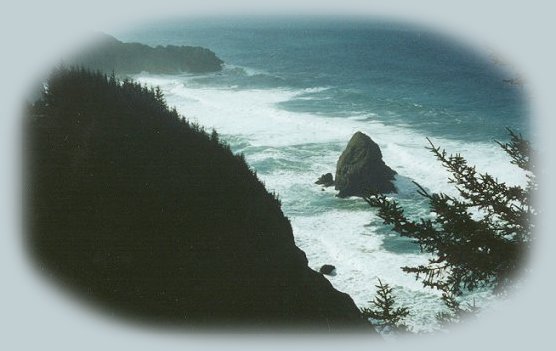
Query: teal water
x,y
387,72
293,92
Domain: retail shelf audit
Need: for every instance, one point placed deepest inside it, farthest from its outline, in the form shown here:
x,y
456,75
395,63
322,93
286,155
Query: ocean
x,y
293,92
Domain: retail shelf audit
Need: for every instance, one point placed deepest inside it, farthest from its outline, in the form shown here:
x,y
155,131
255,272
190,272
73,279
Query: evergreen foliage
x,y
385,314
478,238
140,210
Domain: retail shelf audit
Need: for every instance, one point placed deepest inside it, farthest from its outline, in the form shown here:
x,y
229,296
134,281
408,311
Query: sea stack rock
x,y
325,180
360,169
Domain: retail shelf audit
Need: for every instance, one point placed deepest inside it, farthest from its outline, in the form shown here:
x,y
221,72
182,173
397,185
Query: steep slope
x,y
148,216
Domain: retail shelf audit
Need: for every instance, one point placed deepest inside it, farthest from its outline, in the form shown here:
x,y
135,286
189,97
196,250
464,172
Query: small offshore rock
x,y
328,269
325,180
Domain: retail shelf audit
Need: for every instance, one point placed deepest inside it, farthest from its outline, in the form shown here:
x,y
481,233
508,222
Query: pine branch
x,y
478,238
385,313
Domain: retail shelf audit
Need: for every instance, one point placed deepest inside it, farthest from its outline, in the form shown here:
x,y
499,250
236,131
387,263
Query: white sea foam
x,y
331,230
316,89
248,71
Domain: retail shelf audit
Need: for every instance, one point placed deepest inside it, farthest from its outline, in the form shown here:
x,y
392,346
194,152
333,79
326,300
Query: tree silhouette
x,y
142,212
478,238
386,316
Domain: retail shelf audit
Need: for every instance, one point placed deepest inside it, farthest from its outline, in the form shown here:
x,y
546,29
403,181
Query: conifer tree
x,y
214,137
477,239
385,315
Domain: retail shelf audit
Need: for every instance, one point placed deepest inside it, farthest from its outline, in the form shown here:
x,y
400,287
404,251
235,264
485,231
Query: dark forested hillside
x,y
109,54
140,211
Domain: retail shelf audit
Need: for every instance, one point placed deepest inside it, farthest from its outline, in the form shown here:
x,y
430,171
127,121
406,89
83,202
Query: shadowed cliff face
x,y
143,213
111,55
361,170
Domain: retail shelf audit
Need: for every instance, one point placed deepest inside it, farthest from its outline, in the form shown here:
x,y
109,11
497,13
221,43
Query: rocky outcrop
x,y
107,54
148,217
328,269
325,180
360,169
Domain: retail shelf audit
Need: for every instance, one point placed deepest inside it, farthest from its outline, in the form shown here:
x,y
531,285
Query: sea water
x,y
293,92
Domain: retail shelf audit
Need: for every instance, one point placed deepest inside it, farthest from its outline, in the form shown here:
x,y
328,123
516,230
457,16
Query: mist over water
x,y
293,93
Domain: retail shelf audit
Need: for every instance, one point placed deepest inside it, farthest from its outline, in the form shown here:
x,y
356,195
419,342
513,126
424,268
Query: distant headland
x,y
111,55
